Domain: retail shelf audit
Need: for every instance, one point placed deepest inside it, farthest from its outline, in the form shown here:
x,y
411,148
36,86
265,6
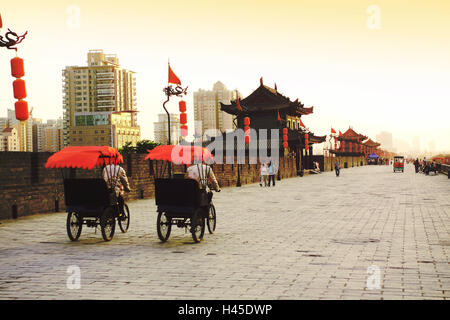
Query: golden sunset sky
x,y
395,78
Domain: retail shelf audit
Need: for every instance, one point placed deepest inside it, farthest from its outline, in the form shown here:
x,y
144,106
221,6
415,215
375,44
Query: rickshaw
x,y
182,202
91,201
399,163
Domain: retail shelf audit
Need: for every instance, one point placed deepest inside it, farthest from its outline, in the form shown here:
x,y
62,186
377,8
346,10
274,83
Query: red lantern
x,y
183,118
285,131
285,145
21,108
247,139
247,121
247,130
285,137
20,91
17,68
184,130
182,105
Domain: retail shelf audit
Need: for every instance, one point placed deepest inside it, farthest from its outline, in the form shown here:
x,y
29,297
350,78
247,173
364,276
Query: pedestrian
x,y
337,168
416,165
264,173
271,173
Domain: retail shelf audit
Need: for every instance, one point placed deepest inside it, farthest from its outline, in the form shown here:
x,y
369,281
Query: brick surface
x,y
308,238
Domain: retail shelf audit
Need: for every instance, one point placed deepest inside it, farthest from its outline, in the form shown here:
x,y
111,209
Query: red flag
x,y
238,105
301,123
332,130
173,77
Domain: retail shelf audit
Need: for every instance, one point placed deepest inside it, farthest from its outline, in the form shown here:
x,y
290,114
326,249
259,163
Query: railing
x,y
445,169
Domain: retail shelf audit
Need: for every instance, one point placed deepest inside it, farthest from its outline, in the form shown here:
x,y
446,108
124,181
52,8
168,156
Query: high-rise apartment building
x,y
9,139
207,113
99,103
160,129
24,131
47,137
385,138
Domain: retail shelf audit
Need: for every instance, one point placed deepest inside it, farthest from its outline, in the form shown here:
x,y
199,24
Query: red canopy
x,y
84,157
179,154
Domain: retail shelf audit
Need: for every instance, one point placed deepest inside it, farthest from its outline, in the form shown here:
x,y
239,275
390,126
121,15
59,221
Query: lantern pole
x,y
238,183
178,91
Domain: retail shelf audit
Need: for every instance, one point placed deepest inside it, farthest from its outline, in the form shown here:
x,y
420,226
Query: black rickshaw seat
x,y
89,194
179,195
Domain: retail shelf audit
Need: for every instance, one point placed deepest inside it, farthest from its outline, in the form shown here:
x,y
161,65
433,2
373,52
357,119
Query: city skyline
x,y
394,78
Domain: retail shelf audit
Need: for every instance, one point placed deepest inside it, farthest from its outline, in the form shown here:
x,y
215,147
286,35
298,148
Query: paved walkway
x,y
369,234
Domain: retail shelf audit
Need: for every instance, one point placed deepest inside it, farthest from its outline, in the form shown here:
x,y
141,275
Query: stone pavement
x,y
368,234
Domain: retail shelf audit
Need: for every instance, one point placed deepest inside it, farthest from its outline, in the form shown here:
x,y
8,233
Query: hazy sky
x,y
390,74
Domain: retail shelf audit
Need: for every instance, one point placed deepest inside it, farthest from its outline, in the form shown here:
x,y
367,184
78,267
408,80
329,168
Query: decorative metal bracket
x,y
11,41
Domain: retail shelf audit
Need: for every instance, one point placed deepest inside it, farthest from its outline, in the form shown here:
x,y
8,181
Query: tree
x,y
144,145
141,147
127,148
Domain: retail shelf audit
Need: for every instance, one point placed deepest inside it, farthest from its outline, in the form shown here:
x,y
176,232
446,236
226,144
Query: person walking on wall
x,y
264,173
271,173
337,168
416,165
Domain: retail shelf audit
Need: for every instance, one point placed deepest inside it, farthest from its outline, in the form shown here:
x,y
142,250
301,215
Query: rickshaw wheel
x,y
108,224
163,226
198,225
211,222
74,225
124,221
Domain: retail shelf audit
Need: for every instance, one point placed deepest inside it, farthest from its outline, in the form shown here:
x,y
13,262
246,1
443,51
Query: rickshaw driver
x,y
115,175
202,173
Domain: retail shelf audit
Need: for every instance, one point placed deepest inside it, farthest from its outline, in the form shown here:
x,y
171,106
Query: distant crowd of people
x,y
424,166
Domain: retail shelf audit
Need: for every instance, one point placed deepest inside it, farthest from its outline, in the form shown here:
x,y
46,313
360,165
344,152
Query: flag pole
x,y
169,91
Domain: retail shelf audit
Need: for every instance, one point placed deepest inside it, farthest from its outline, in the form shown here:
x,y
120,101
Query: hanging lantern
x,y
182,106
285,131
285,137
183,118
247,139
285,145
247,121
17,68
20,91
21,110
184,130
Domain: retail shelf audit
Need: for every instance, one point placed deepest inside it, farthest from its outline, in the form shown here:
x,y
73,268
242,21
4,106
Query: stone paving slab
x,y
308,238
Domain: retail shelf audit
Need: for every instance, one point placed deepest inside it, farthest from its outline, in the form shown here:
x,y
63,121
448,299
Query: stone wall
x,y
27,187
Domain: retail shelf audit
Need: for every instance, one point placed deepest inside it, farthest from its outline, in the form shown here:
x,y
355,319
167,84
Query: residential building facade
x,y
160,129
99,103
9,139
207,113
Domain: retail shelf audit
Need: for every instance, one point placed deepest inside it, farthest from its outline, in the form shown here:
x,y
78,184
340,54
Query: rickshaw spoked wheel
x,y
74,225
108,223
211,222
124,219
163,226
198,225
